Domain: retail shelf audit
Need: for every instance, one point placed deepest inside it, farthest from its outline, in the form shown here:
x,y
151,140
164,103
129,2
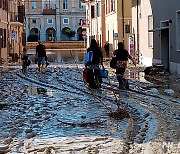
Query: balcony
x,y
21,13
49,12
14,20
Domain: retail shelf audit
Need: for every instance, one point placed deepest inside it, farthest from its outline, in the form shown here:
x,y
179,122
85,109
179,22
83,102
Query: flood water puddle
x,y
57,102
54,104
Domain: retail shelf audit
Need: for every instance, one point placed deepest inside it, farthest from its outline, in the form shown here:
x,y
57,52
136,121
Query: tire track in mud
x,y
107,98
145,120
132,127
164,109
166,113
68,85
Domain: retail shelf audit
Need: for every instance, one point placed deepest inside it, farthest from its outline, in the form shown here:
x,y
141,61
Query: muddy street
x,y
55,112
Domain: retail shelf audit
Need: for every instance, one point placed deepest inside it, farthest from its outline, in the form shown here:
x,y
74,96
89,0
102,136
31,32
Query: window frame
x,y
65,4
33,5
98,9
80,6
35,21
48,21
65,19
178,30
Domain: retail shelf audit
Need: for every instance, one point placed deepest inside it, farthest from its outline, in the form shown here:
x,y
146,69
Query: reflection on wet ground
x,y
159,82
60,56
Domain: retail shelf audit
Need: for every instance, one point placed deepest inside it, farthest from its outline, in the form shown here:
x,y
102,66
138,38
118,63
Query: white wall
x,y
146,53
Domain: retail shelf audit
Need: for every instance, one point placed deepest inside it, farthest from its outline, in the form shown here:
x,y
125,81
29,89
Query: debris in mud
x,y
120,114
169,92
84,124
3,105
154,70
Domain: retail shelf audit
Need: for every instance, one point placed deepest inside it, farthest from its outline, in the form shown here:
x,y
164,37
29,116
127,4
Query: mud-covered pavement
x,y
54,112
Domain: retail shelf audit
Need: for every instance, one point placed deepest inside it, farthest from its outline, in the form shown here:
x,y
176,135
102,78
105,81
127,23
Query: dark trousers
x,y
123,83
93,78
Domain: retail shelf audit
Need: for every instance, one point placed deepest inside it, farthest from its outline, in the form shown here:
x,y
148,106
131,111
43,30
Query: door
x,y
165,54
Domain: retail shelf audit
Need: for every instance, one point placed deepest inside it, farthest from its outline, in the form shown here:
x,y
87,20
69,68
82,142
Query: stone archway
x,y
35,31
64,37
50,34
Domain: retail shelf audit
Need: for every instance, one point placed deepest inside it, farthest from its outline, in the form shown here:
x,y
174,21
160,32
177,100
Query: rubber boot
x,y
39,68
42,68
121,83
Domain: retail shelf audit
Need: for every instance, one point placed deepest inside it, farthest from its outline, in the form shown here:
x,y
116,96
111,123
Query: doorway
x,y
165,53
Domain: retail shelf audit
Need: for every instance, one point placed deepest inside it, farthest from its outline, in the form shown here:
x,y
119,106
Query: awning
x,y
16,24
158,29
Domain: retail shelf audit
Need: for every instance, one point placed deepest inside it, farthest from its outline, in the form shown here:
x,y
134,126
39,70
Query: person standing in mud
x,y
93,74
122,57
41,56
106,48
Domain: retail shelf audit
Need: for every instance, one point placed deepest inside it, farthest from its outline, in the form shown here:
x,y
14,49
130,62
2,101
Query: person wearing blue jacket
x,y
94,79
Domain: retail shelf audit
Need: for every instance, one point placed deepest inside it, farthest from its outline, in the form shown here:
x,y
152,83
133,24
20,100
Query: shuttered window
x,y
98,9
4,38
92,12
1,3
178,30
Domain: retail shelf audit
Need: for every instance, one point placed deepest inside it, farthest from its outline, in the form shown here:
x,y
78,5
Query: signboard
x,y
131,45
116,36
13,36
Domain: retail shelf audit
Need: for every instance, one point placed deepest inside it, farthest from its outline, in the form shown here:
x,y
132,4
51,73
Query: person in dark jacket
x,y
122,57
41,55
106,48
93,74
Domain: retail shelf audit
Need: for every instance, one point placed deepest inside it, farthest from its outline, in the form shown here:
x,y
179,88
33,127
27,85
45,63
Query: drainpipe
x,y
103,25
55,25
8,39
0,48
123,19
137,30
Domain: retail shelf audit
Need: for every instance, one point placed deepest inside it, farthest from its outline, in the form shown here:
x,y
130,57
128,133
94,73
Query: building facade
x,y
157,32
3,30
50,20
12,32
108,20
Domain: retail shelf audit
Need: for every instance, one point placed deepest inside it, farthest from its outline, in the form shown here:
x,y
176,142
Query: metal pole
x,y
123,19
138,30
